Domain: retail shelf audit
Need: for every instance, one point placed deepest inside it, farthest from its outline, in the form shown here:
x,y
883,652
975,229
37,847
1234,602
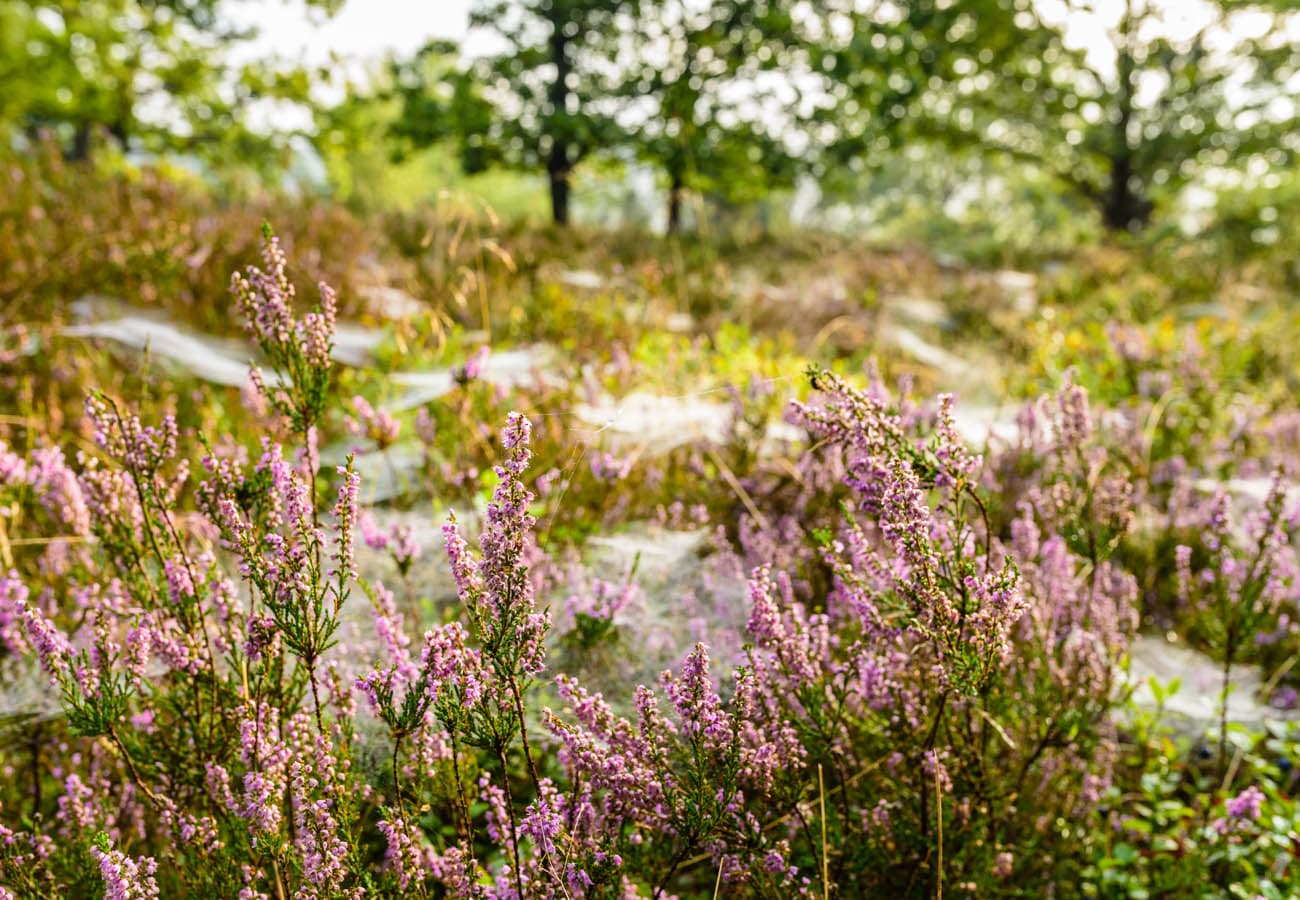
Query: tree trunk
x,y
558,164
675,204
80,149
121,133
1123,208
559,177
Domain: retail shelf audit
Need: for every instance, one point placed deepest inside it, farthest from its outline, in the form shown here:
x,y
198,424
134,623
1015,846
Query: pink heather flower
x,y
543,822
77,805
141,449
609,468
24,848
408,855
13,468
451,678
323,851
180,585
463,567
253,393
1247,805
458,871
615,756
263,638
403,546
126,878
391,631
601,600
50,643
694,698
109,492
266,296
13,624
399,540
475,366
376,424
956,462
935,770
497,590
1285,697
1074,421
450,663
345,512
498,817
58,488
260,805
318,328
426,427
248,892
371,534
298,349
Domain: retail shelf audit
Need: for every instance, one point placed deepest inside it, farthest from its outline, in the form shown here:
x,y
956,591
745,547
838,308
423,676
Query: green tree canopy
x,y
147,75
1123,121
549,85
709,89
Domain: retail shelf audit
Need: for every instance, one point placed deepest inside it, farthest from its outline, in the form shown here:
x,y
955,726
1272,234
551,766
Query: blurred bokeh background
x,y
980,127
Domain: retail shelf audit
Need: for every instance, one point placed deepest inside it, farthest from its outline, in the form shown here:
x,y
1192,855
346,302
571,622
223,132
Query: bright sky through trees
x,y
366,29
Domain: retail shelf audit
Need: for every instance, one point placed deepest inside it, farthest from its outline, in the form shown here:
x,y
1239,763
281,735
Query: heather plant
x,y
1199,392
299,350
971,668
397,540
1248,582
193,703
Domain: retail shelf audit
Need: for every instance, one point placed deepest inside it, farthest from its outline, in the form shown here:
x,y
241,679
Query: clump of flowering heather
x,y
608,468
52,483
947,680
126,878
207,748
939,571
947,685
1249,578
698,785
298,349
591,609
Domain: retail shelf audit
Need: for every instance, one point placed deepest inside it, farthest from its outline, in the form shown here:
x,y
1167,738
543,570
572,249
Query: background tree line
x,y
730,98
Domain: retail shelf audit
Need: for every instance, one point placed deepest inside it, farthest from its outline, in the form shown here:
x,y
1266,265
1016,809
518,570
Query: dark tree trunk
x,y
675,204
1123,207
80,149
559,176
121,133
558,162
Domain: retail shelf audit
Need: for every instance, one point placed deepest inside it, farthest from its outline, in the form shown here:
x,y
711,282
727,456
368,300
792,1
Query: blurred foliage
x,y
547,82
152,236
717,123
143,76
389,144
925,121
1124,121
